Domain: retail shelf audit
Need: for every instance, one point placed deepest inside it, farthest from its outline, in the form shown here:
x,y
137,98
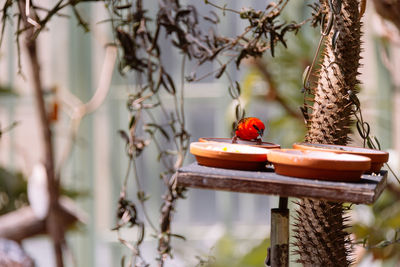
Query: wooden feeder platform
x,y
365,191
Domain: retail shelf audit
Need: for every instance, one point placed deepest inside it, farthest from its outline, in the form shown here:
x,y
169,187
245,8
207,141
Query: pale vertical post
x,y
280,234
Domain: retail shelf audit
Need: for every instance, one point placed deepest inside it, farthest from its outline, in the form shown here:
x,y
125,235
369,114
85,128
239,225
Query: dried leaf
x,y
140,233
170,87
158,127
178,236
377,142
272,43
243,54
220,72
370,144
124,135
182,13
132,121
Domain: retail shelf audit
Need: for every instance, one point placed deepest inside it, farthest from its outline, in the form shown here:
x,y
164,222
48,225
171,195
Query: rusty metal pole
x,y
279,251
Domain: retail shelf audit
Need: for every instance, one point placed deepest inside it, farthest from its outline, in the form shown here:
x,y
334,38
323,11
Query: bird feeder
x,y
228,175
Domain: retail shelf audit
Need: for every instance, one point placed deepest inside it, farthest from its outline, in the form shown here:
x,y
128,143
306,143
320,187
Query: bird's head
x,y
258,127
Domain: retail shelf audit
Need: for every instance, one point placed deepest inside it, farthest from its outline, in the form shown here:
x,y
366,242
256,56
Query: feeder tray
x,y
318,165
378,157
239,141
229,156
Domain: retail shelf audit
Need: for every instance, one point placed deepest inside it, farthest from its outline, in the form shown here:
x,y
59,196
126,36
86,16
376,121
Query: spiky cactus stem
x,y
319,228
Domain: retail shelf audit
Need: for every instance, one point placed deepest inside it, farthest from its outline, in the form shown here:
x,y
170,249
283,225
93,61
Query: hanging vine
x,y
143,38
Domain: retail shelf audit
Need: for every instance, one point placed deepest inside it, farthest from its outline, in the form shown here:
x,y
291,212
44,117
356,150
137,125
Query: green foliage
x,y
12,191
7,91
381,236
230,252
286,130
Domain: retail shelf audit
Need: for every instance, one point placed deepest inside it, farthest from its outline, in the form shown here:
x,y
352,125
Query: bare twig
x,y
224,8
80,110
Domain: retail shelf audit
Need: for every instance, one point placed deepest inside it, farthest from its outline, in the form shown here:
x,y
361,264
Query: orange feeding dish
x,y
319,164
378,157
229,156
240,142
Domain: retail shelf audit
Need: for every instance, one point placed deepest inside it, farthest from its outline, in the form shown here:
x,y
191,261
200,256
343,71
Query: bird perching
x,y
250,129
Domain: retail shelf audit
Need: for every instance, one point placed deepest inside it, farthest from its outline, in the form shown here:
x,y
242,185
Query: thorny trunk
x,y
320,226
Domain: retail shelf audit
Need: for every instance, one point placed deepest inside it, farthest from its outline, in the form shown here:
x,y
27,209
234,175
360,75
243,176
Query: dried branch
x,y
53,222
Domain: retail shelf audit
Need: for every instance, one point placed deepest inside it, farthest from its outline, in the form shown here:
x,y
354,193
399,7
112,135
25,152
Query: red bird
x,y
250,128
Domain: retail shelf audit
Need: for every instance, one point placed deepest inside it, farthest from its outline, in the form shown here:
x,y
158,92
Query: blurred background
x,y
221,228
